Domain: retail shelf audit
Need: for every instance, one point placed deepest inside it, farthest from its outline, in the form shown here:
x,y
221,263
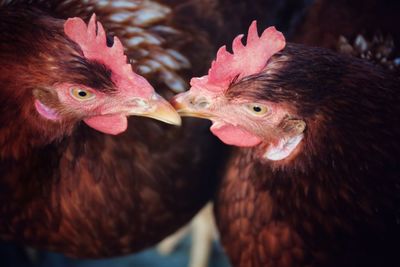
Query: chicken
x,y
75,187
315,177
366,29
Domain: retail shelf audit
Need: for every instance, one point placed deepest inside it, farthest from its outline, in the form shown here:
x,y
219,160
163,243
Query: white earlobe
x,y
283,149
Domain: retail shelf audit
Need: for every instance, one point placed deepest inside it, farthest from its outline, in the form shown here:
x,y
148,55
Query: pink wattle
x,y
109,124
232,135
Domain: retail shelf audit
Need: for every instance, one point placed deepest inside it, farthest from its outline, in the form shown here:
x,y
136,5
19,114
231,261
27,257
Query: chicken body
x,y
99,196
67,187
318,184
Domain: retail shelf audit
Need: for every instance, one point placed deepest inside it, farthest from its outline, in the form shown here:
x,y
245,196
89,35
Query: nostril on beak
x,y
192,101
138,102
199,103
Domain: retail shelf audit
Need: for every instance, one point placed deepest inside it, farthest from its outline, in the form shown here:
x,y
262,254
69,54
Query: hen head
x,y
240,116
74,72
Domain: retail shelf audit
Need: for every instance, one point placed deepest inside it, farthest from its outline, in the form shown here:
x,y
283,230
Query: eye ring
x,y
257,109
82,94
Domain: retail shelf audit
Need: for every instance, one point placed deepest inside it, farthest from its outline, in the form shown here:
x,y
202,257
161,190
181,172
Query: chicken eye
x,y
257,109
81,94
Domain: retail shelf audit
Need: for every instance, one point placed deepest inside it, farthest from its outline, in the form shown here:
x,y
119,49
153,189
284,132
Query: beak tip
x,y
166,113
170,115
177,121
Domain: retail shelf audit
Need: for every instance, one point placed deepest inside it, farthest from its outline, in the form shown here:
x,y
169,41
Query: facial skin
x,y
242,120
230,97
100,87
103,111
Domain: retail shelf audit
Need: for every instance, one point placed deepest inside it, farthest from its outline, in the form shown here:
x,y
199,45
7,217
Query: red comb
x,y
245,60
92,41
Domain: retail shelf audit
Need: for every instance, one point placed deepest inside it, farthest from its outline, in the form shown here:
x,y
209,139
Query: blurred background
x,y
12,256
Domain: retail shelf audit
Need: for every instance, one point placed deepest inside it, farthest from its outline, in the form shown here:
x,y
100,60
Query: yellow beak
x,y
163,112
183,106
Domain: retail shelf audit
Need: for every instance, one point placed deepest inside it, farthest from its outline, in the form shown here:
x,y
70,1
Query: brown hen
x,y
316,180
67,187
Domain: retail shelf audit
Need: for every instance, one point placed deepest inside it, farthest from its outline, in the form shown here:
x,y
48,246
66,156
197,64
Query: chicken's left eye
x,y
81,94
257,109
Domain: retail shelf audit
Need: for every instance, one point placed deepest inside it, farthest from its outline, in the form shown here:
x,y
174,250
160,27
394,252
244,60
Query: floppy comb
x,y
245,60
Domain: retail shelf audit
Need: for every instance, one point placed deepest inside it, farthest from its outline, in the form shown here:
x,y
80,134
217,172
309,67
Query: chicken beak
x,y
162,111
185,108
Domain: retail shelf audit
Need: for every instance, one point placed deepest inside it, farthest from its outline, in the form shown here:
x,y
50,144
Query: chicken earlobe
x,y
46,112
283,149
292,130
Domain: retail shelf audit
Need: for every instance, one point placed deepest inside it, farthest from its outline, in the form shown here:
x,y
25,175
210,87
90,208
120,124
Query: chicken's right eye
x,y
82,94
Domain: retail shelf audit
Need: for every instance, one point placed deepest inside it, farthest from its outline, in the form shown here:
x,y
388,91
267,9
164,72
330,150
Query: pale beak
x,y
162,111
186,108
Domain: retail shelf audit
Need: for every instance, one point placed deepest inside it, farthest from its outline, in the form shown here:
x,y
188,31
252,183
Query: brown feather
x,y
336,202
68,188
